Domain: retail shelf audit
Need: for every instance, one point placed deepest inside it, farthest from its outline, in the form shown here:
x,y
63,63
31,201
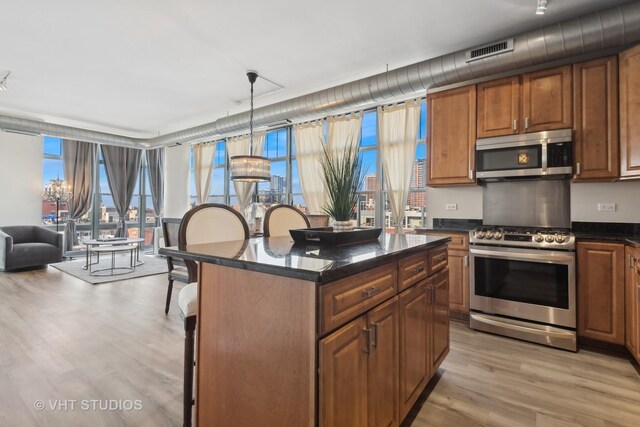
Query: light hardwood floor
x,y
63,339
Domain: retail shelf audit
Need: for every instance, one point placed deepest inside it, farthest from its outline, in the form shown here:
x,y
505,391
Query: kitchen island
x,y
302,334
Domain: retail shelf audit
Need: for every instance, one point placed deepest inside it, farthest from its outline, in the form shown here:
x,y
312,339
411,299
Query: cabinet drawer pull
x,y
418,270
375,334
367,349
526,123
515,125
470,173
466,260
577,168
370,291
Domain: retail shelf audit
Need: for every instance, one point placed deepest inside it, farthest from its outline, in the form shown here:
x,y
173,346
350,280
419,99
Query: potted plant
x,y
343,176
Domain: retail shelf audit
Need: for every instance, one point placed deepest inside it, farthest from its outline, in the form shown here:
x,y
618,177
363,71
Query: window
x,y
284,187
275,148
54,215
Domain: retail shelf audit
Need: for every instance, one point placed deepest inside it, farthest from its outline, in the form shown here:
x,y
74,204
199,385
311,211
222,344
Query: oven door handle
x,y
552,257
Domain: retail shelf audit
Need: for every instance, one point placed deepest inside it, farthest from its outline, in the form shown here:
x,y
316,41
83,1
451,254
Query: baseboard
x,y
459,315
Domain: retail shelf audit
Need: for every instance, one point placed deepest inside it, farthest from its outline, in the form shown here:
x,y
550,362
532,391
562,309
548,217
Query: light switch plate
x,y
606,207
451,206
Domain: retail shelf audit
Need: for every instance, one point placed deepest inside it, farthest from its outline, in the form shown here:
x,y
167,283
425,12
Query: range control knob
x,y
479,234
559,238
489,234
548,238
538,237
497,235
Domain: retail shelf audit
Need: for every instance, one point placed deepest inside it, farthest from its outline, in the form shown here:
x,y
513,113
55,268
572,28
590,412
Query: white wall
x,y
176,181
586,196
467,199
20,179
584,202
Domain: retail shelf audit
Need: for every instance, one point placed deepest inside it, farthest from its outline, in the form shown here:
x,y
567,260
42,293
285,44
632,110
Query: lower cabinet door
x,y
414,311
440,318
383,365
630,300
343,376
459,281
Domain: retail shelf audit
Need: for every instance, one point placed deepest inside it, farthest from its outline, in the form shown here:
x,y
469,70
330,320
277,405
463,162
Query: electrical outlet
x,y
606,207
451,207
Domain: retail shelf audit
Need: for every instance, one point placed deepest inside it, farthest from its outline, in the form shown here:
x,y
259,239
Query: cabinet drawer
x,y
438,259
412,269
346,298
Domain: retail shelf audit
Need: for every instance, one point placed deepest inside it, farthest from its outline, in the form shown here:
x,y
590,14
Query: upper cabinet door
x,y
595,109
546,97
451,136
499,107
629,113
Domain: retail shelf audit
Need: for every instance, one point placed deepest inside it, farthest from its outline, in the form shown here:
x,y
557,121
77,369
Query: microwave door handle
x,y
544,155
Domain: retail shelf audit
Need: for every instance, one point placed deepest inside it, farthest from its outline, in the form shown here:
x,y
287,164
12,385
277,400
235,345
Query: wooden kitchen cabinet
x,y
636,305
343,377
601,291
458,263
451,137
595,114
414,305
499,107
546,99
631,300
424,335
439,319
359,374
629,113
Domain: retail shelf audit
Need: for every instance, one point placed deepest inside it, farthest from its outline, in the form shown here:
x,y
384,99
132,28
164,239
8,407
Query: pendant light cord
x,y
251,124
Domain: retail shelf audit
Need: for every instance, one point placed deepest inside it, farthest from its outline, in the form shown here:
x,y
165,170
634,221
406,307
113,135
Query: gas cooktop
x,y
533,237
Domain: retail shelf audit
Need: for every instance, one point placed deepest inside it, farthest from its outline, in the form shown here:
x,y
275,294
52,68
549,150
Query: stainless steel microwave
x,y
543,154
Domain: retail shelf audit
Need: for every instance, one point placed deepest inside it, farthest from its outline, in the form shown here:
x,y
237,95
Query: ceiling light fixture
x,y
542,7
250,168
3,80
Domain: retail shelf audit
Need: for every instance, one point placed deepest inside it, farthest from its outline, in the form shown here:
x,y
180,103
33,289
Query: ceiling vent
x,y
489,50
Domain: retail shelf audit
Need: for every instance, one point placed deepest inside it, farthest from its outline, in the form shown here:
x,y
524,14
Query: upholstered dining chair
x,y
279,219
206,223
177,268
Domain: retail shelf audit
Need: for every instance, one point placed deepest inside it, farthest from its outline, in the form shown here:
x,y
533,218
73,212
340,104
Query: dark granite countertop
x,y
451,225
313,262
628,233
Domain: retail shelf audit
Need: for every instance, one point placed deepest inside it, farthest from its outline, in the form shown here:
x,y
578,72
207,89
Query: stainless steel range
x,y
522,268
523,284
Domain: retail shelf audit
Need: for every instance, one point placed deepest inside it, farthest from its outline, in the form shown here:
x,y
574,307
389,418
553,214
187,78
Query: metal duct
x,y
611,28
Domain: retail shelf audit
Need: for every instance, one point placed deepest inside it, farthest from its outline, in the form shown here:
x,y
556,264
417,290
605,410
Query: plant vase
x,y
342,225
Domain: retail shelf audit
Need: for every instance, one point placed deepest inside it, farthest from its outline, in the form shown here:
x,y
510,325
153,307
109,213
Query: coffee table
x,y
114,270
89,244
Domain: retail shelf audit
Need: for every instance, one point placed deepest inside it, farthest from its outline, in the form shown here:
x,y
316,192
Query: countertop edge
x,y
320,278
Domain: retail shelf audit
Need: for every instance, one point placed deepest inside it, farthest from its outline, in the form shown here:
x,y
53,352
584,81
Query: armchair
x,y
24,246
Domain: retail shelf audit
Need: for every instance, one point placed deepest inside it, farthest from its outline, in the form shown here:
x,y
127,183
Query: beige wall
x,y
20,179
584,202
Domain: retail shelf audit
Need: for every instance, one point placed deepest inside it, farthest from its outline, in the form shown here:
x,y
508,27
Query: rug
x,y
153,264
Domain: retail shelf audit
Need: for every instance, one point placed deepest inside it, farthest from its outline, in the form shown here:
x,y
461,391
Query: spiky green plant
x,y
343,176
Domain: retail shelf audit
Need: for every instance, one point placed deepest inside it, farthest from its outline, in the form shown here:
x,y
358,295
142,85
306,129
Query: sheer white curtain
x,y
344,131
309,139
202,167
398,136
239,146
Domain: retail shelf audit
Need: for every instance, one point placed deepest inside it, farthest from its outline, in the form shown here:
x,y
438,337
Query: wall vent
x,y
489,50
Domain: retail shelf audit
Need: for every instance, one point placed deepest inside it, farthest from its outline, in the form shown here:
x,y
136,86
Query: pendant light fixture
x,y
250,168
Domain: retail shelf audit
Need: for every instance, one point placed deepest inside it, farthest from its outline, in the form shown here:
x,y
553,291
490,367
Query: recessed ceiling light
x,y
542,7
3,80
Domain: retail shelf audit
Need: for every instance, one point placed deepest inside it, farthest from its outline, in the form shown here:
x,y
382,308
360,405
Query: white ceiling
x,y
148,67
